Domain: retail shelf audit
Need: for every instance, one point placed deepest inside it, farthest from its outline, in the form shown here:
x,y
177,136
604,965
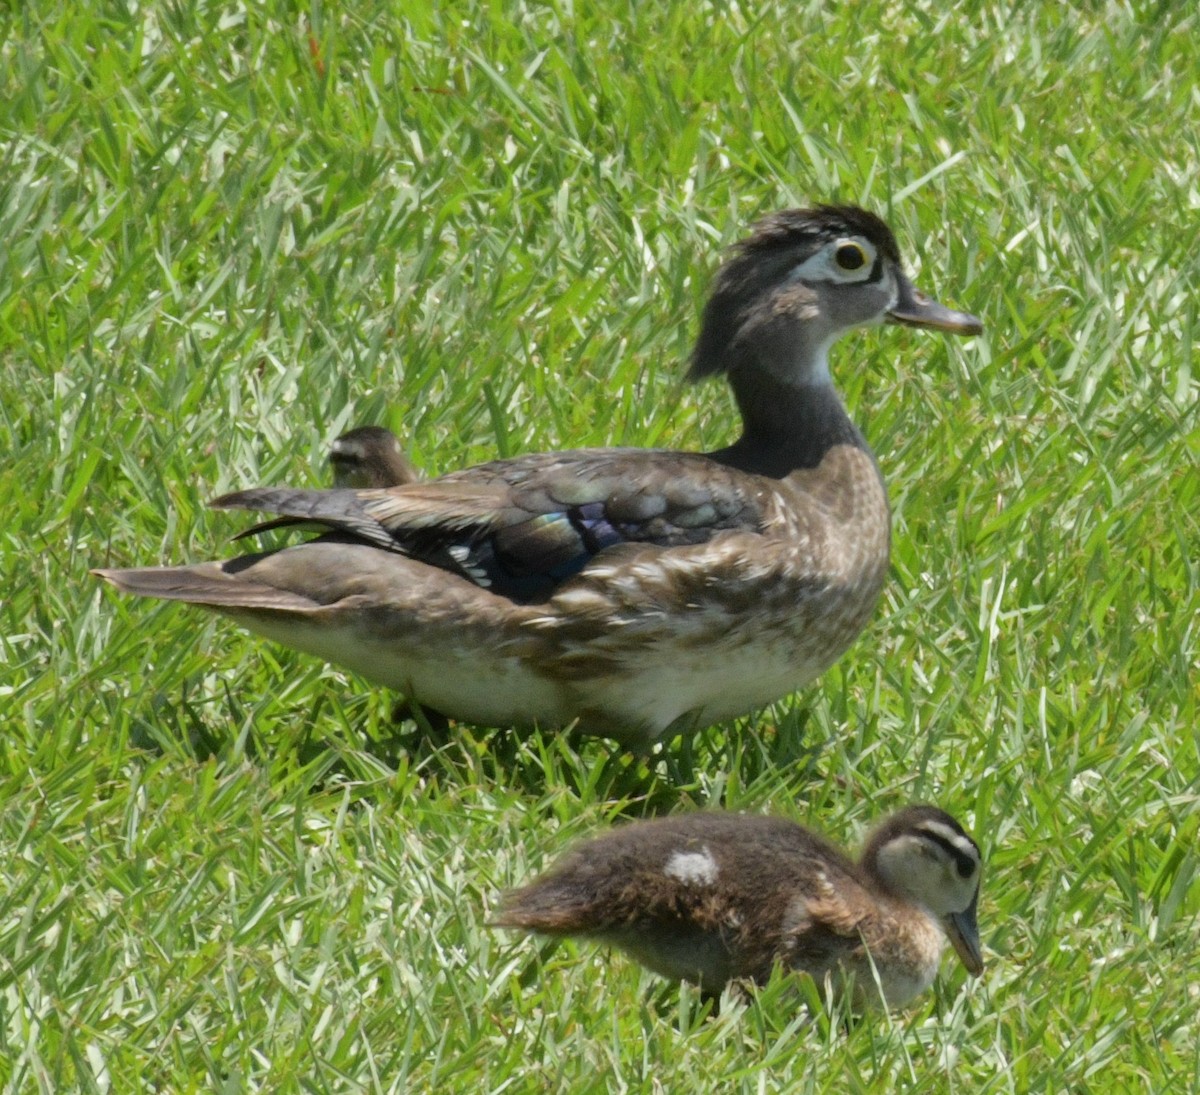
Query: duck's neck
x,y
785,426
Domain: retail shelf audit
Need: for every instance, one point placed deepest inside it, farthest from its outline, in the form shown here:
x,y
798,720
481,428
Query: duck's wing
x,y
520,528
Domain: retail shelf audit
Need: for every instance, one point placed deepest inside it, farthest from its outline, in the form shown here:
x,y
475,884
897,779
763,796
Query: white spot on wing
x,y
692,868
461,554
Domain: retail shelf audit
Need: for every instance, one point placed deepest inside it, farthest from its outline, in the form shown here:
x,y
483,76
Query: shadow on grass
x,y
349,740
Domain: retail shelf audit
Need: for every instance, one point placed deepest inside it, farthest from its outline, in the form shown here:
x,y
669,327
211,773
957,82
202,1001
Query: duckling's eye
x,y
850,256
966,868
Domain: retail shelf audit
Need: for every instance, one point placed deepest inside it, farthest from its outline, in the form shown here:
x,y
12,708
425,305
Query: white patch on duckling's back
x,y
692,868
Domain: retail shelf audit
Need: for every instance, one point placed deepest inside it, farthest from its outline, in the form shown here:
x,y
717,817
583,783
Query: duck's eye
x,y
850,256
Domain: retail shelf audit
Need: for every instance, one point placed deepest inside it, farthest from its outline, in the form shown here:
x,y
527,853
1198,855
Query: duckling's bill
x,y
963,932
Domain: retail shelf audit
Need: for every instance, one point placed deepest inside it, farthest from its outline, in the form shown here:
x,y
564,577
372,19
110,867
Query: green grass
x,y
227,233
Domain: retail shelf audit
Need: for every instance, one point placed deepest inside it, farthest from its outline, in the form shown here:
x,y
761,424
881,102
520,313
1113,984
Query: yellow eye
x,y
850,256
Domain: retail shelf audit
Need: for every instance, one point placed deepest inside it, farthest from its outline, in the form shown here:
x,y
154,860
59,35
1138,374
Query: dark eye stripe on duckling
x,y
964,862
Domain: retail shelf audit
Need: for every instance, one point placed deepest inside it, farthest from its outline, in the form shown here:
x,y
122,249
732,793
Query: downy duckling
x,y
714,897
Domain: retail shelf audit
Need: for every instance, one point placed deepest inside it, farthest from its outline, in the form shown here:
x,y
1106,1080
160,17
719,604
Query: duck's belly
x,y
634,705
472,684
715,666
650,700
634,687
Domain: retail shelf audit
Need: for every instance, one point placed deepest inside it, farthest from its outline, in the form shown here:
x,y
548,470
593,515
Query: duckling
x,y
631,593
712,898
365,457
370,457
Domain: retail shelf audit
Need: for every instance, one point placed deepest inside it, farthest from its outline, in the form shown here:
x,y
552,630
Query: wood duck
x,y
370,457
713,898
634,593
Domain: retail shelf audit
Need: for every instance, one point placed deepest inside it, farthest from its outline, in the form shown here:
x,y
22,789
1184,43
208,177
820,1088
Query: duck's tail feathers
x,y
216,585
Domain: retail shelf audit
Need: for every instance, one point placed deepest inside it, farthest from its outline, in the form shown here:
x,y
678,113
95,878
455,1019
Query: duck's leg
x,y
432,722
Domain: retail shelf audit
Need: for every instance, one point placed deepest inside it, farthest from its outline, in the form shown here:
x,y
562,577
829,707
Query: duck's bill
x,y
964,937
914,309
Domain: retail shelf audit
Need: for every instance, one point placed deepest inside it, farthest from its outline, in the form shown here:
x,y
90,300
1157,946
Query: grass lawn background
x,y
228,232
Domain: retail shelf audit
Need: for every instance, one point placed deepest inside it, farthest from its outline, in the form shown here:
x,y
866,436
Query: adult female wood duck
x,y
635,593
712,898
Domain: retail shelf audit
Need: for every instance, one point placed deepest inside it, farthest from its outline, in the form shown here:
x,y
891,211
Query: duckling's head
x,y
923,855
369,457
801,280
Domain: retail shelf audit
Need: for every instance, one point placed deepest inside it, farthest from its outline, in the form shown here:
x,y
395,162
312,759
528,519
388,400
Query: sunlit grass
x,y
227,234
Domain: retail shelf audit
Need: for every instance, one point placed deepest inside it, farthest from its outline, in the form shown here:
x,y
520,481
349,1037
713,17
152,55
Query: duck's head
x,y
802,279
923,855
369,457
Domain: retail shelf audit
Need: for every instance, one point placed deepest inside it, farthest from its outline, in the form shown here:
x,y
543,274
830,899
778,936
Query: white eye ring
x,y
840,262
